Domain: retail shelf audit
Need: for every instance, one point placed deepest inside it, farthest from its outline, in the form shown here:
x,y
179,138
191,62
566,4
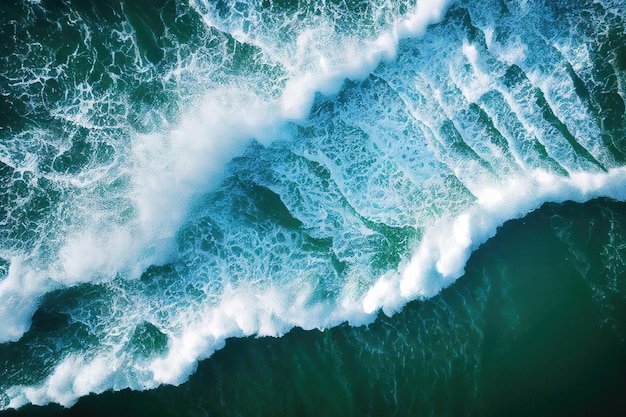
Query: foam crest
x,y
19,290
355,60
445,248
171,168
425,14
320,57
73,378
242,312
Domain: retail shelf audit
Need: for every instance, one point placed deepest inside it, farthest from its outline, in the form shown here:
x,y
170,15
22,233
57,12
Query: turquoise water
x,y
298,208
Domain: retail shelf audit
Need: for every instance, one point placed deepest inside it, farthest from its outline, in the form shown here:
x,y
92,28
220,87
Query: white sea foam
x,y
445,248
19,294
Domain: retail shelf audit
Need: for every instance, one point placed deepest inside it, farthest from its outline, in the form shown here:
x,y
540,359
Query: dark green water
x,y
350,208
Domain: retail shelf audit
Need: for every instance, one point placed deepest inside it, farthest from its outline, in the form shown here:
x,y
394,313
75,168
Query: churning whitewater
x,y
177,176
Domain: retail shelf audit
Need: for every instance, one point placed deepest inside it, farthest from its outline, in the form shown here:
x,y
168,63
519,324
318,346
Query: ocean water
x,y
312,207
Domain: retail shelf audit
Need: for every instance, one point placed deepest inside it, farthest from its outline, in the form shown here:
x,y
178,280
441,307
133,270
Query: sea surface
x,y
312,208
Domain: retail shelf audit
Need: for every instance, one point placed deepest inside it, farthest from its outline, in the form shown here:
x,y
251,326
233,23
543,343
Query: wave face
x,y
178,173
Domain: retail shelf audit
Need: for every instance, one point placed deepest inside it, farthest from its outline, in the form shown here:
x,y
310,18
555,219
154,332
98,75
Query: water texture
x,y
177,174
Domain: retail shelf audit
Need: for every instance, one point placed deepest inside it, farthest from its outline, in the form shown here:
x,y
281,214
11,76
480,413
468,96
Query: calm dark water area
x,y
535,327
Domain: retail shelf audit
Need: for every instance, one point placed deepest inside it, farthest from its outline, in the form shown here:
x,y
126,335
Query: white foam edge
x,y
243,311
19,292
442,254
316,68
357,61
